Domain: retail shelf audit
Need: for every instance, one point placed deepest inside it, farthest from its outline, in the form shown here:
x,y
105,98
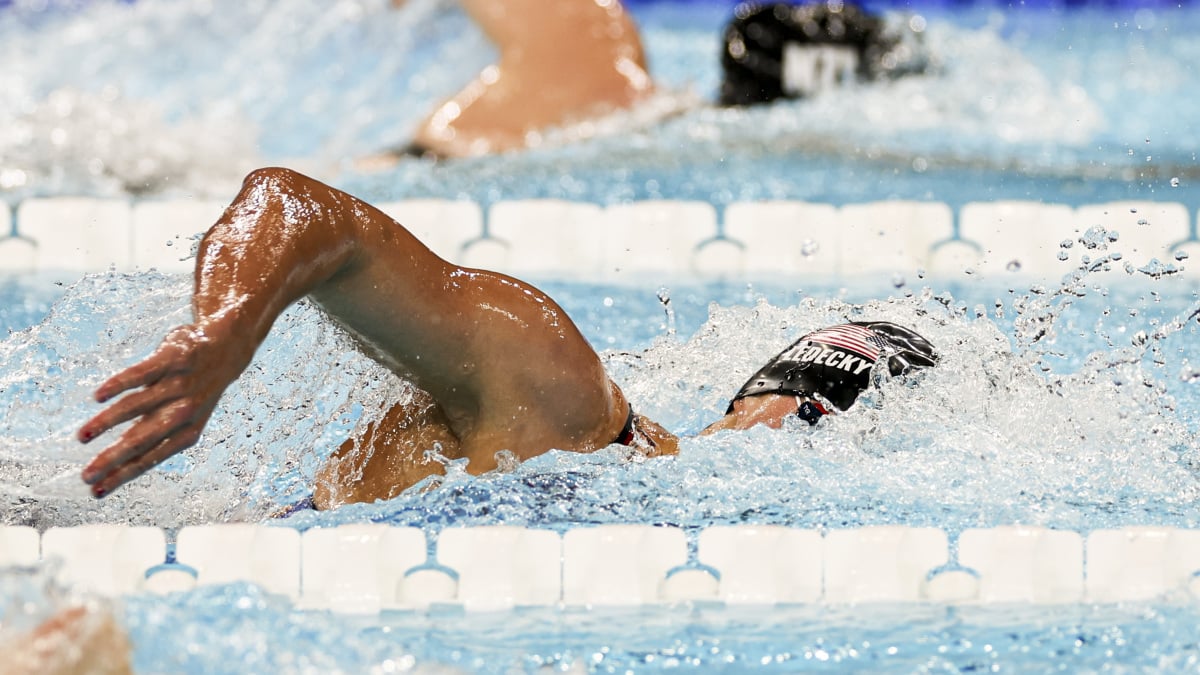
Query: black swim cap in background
x,y
782,50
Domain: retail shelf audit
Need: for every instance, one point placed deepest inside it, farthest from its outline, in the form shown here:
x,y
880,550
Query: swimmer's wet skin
x,y
499,364
593,65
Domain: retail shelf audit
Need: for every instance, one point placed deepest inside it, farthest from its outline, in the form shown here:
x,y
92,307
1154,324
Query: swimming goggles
x,y
810,409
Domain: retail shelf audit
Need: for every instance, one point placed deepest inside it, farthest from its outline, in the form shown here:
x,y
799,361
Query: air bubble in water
x,y
170,242
1175,181
1013,266
1189,374
1181,255
809,248
898,280
1143,221
1062,255
1066,243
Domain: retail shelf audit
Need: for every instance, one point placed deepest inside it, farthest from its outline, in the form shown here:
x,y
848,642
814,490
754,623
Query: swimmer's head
x,y
825,371
783,50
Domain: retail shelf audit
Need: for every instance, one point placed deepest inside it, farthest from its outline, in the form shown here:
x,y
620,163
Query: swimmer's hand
x,y
180,383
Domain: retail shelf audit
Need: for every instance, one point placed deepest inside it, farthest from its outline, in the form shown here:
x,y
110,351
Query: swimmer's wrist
x,y
233,339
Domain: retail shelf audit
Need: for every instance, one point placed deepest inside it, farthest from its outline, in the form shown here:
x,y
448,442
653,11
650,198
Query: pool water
x,y
1094,429
1026,102
909,639
997,434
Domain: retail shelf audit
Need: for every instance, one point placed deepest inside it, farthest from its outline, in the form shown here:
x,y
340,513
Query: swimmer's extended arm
x,y
283,237
506,366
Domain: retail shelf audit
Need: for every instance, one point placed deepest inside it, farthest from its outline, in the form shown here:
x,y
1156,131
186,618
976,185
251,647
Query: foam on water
x,y
1057,407
184,97
193,94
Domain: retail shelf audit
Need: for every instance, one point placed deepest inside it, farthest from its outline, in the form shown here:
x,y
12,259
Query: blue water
x,y
1075,106
791,639
1005,431
1091,426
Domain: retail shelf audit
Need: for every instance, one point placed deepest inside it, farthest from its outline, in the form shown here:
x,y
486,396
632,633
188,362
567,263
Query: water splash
x,y
191,97
1060,406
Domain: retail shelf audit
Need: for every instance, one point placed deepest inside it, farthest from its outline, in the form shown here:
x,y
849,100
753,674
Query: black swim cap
x,y
780,50
836,362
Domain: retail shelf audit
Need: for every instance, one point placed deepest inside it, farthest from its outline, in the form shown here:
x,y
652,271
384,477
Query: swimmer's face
x,y
767,409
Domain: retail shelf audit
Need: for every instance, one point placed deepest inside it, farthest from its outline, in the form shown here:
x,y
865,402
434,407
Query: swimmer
x,y
499,365
560,62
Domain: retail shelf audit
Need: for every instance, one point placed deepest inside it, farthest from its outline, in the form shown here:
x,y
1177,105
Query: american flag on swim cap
x,y
862,341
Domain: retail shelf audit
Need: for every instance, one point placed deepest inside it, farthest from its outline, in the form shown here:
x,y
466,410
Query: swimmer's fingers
x,y
160,453
129,407
145,372
176,425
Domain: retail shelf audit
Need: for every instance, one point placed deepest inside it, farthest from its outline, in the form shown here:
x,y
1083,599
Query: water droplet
x,y
1143,221
1013,266
920,272
1139,338
1132,210
1062,255
809,248
1181,255
170,242
1065,243
1175,181
1094,237
898,280
1189,374
608,302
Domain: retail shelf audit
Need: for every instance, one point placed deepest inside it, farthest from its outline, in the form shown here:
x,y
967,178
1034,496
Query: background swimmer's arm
x,y
75,640
284,236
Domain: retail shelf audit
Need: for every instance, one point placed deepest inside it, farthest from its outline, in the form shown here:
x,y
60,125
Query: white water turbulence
x,y
183,97
111,97
1067,407
258,448
980,99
